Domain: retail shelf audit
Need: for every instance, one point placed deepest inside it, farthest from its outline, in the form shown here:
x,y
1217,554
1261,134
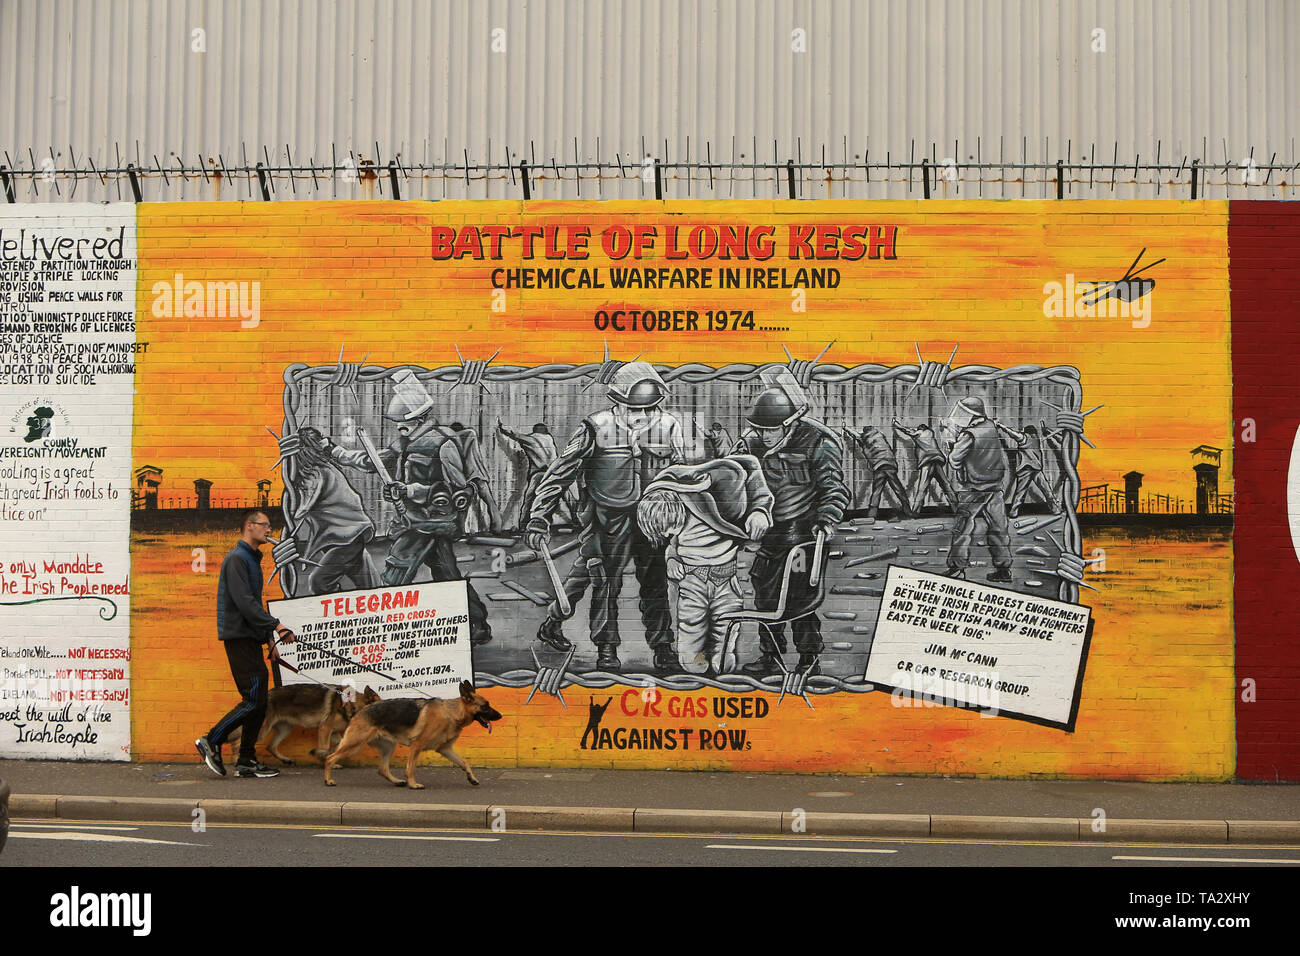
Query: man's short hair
x,y
250,515
661,514
541,429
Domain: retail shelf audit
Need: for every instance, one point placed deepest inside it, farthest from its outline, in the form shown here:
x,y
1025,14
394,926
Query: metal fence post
x,y
135,182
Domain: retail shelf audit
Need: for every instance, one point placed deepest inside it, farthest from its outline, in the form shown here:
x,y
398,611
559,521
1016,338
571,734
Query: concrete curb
x,y
649,820
33,806
562,818
817,823
1014,828
163,809
1264,831
453,816
273,811
1156,831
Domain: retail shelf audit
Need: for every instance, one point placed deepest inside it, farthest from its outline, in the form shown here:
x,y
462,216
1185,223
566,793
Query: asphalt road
x,y
112,844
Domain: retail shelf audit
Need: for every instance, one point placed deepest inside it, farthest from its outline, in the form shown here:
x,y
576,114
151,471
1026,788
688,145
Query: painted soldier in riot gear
x,y
980,464
717,441
432,488
879,453
803,464
1029,471
331,529
930,465
617,452
539,451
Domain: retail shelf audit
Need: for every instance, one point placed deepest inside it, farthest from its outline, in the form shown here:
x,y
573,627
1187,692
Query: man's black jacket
x,y
240,614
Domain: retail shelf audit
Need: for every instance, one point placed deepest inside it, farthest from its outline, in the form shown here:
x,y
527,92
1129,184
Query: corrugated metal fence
x,y
1125,95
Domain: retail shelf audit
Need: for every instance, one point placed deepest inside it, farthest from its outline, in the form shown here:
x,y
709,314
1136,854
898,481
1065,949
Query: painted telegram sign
x,y
398,641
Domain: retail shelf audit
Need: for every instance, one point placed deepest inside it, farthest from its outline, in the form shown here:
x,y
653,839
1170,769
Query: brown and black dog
x,y
325,708
420,725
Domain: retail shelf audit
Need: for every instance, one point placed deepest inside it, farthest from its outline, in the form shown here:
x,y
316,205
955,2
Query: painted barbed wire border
x,y
478,373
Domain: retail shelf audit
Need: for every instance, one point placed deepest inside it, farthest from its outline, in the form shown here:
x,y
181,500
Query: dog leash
x,y
283,663
339,657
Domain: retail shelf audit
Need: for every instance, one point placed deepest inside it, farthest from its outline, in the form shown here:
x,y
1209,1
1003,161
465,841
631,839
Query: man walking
x,y
980,463
243,626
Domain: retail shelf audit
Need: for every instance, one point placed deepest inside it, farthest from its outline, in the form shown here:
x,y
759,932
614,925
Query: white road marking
x,y
793,849
400,836
64,826
95,838
1202,859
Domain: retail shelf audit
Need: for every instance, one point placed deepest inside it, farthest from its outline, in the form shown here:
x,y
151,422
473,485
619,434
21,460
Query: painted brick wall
x,y
1155,697
1264,241
67,310
1154,702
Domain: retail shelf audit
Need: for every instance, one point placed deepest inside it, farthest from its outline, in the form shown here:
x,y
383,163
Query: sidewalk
x,y
637,800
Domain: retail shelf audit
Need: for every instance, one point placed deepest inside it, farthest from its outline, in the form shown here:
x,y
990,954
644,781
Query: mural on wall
x,y
859,487
67,369
724,547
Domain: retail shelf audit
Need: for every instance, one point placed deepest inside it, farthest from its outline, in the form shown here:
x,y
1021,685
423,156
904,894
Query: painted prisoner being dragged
x,y
705,512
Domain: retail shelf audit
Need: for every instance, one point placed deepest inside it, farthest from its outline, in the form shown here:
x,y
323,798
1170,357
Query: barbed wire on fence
x,y
729,683
56,175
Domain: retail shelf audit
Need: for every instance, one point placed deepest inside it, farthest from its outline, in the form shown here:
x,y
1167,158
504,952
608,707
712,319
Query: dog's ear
x,y
466,690
370,694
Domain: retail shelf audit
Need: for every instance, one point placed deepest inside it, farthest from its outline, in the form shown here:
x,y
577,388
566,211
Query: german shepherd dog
x,y
322,707
419,724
